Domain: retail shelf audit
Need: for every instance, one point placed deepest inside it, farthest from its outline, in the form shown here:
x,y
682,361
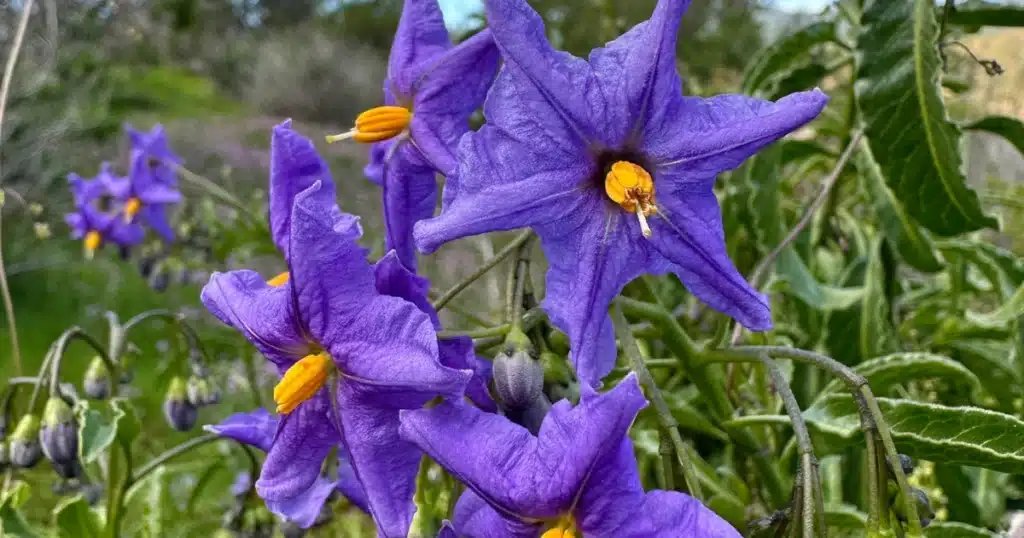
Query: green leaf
x,y
1009,311
951,435
1012,129
74,519
877,331
915,144
958,487
906,236
1004,268
785,54
763,174
990,361
948,529
884,372
801,283
987,14
95,432
13,525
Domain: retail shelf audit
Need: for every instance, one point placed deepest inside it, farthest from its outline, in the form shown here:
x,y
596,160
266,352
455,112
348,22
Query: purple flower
x,y
94,224
151,151
577,475
142,194
612,167
431,90
325,320
257,429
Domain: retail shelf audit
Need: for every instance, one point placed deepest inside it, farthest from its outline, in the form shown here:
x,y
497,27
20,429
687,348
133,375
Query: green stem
x,y
500,330
909,500
665,449
665,417
505,252
214,189
186,330
170,454
61,346
517,285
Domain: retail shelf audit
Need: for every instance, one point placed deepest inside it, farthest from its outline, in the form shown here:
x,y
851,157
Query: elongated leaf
x,y
915,144
786,53
877,332
13,525
906,236
795,150
1012,129
763,175
884,372
990,361
802,284
957,485
1009,311
949,529
842,337
74,519
952,435
987,14
1004,268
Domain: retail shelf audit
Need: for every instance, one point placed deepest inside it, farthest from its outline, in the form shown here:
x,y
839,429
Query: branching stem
x,y
505,252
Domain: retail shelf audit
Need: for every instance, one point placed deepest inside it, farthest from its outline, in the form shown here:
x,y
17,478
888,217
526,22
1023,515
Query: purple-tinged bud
x,y
179,412
24,445
58,434
906,463
518,375
97,382
69,469
925,512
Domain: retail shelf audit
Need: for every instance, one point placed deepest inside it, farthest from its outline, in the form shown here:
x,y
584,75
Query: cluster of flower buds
x,y
24,446
925,512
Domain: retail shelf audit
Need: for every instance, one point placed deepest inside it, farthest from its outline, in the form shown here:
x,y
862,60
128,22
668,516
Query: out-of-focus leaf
x,y
690,419
906,236
785,53
842,336
1012,129
74,519
955,85
119,463
915,144
1009,311
763,175
990,361
95,432
884,372
805,77
1003,267
795,150
953,435
13,525
949,529
987,14
958,487
802,284
877,332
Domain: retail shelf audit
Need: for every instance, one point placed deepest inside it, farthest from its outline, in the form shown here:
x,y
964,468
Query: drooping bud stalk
x,y
97,383
58,434
518,374
178,410
24,444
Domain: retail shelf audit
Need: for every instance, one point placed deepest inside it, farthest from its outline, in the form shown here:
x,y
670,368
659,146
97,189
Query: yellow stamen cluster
x,y
279,280
558,532
302,381
93,240
132,208
630,186
377,124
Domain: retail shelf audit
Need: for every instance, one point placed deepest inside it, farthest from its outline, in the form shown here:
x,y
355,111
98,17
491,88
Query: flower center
x,y
131,208
279,280
630,186
93,239
377,124
565,529
302,381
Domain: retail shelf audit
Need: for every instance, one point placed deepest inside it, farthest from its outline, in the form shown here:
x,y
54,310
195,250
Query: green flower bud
x,y
24,446
97,382
518,374
556,369
201,392
559,342
58,434
178,410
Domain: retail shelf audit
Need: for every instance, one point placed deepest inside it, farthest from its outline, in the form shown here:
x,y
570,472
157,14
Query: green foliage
x,y
981,13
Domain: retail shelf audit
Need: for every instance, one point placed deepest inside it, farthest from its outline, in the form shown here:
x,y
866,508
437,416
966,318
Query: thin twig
x,y
665,417
5,89
765,264
62,344
172,453
483,269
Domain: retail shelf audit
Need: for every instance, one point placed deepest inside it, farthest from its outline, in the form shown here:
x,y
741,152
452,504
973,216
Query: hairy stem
x,y
61,346
482,270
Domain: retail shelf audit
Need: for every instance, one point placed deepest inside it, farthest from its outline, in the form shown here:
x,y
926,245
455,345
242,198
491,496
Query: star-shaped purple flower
x,y
258,429
431,90
325,319
142,195
94,224
577,474
152,151
613,167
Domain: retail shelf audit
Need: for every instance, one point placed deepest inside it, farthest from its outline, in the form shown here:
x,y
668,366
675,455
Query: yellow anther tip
x,y
132,208
92,242
302,381
279,280
558,532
